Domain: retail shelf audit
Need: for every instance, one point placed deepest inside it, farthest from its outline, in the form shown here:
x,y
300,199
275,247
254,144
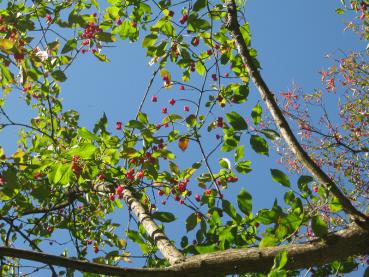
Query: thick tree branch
x,y
169,251
165,246
280,120
338,245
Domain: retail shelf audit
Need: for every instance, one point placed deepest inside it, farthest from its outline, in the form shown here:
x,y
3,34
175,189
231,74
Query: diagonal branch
x,y
286,132
353,240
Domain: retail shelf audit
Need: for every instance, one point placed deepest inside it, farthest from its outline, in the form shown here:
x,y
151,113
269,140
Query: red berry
x,y
197,197
209,52
118,22
226,75
96,248
315,189
181,201
183,18
89,242
220,122
171,13
140,174
118,125
182,88
154,98
195,41
164,202
37,176
160,193
177,198
181,187
214,77
112,197
172,101
186,108
134,24
119,190
208,192
164,110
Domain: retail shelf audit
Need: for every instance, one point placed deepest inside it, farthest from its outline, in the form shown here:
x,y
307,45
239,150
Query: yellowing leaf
x,y
183,143
19,154
164,73
6,44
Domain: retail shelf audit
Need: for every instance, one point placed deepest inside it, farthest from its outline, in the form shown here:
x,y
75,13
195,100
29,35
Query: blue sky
x,y
292,38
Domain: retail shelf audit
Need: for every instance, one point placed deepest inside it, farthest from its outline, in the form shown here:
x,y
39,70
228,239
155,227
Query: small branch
x,y
279,119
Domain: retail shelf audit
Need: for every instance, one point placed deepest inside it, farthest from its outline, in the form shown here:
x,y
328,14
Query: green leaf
x,y
69,46
270,134
259,145
101,57
163,216
59,75
95,3
280,260
225,163
340,11
135,124
256,114
191,222
200,68
230,210
85,151
268,240
335,205
60,174
6,74
279,177
168,29
244,201
105,37
191,120
319,227
239,153
171,118
236,121
86,134
202,249
149,40
199,4
243,167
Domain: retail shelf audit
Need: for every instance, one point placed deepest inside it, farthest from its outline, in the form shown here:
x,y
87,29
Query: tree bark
x,y
337,245
280,120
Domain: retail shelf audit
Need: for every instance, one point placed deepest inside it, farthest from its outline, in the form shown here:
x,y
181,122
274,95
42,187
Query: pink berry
x,y
118,125
197,197
172,101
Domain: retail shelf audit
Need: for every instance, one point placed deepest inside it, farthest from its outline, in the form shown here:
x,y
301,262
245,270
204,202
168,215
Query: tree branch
x,y
335,246
286,132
